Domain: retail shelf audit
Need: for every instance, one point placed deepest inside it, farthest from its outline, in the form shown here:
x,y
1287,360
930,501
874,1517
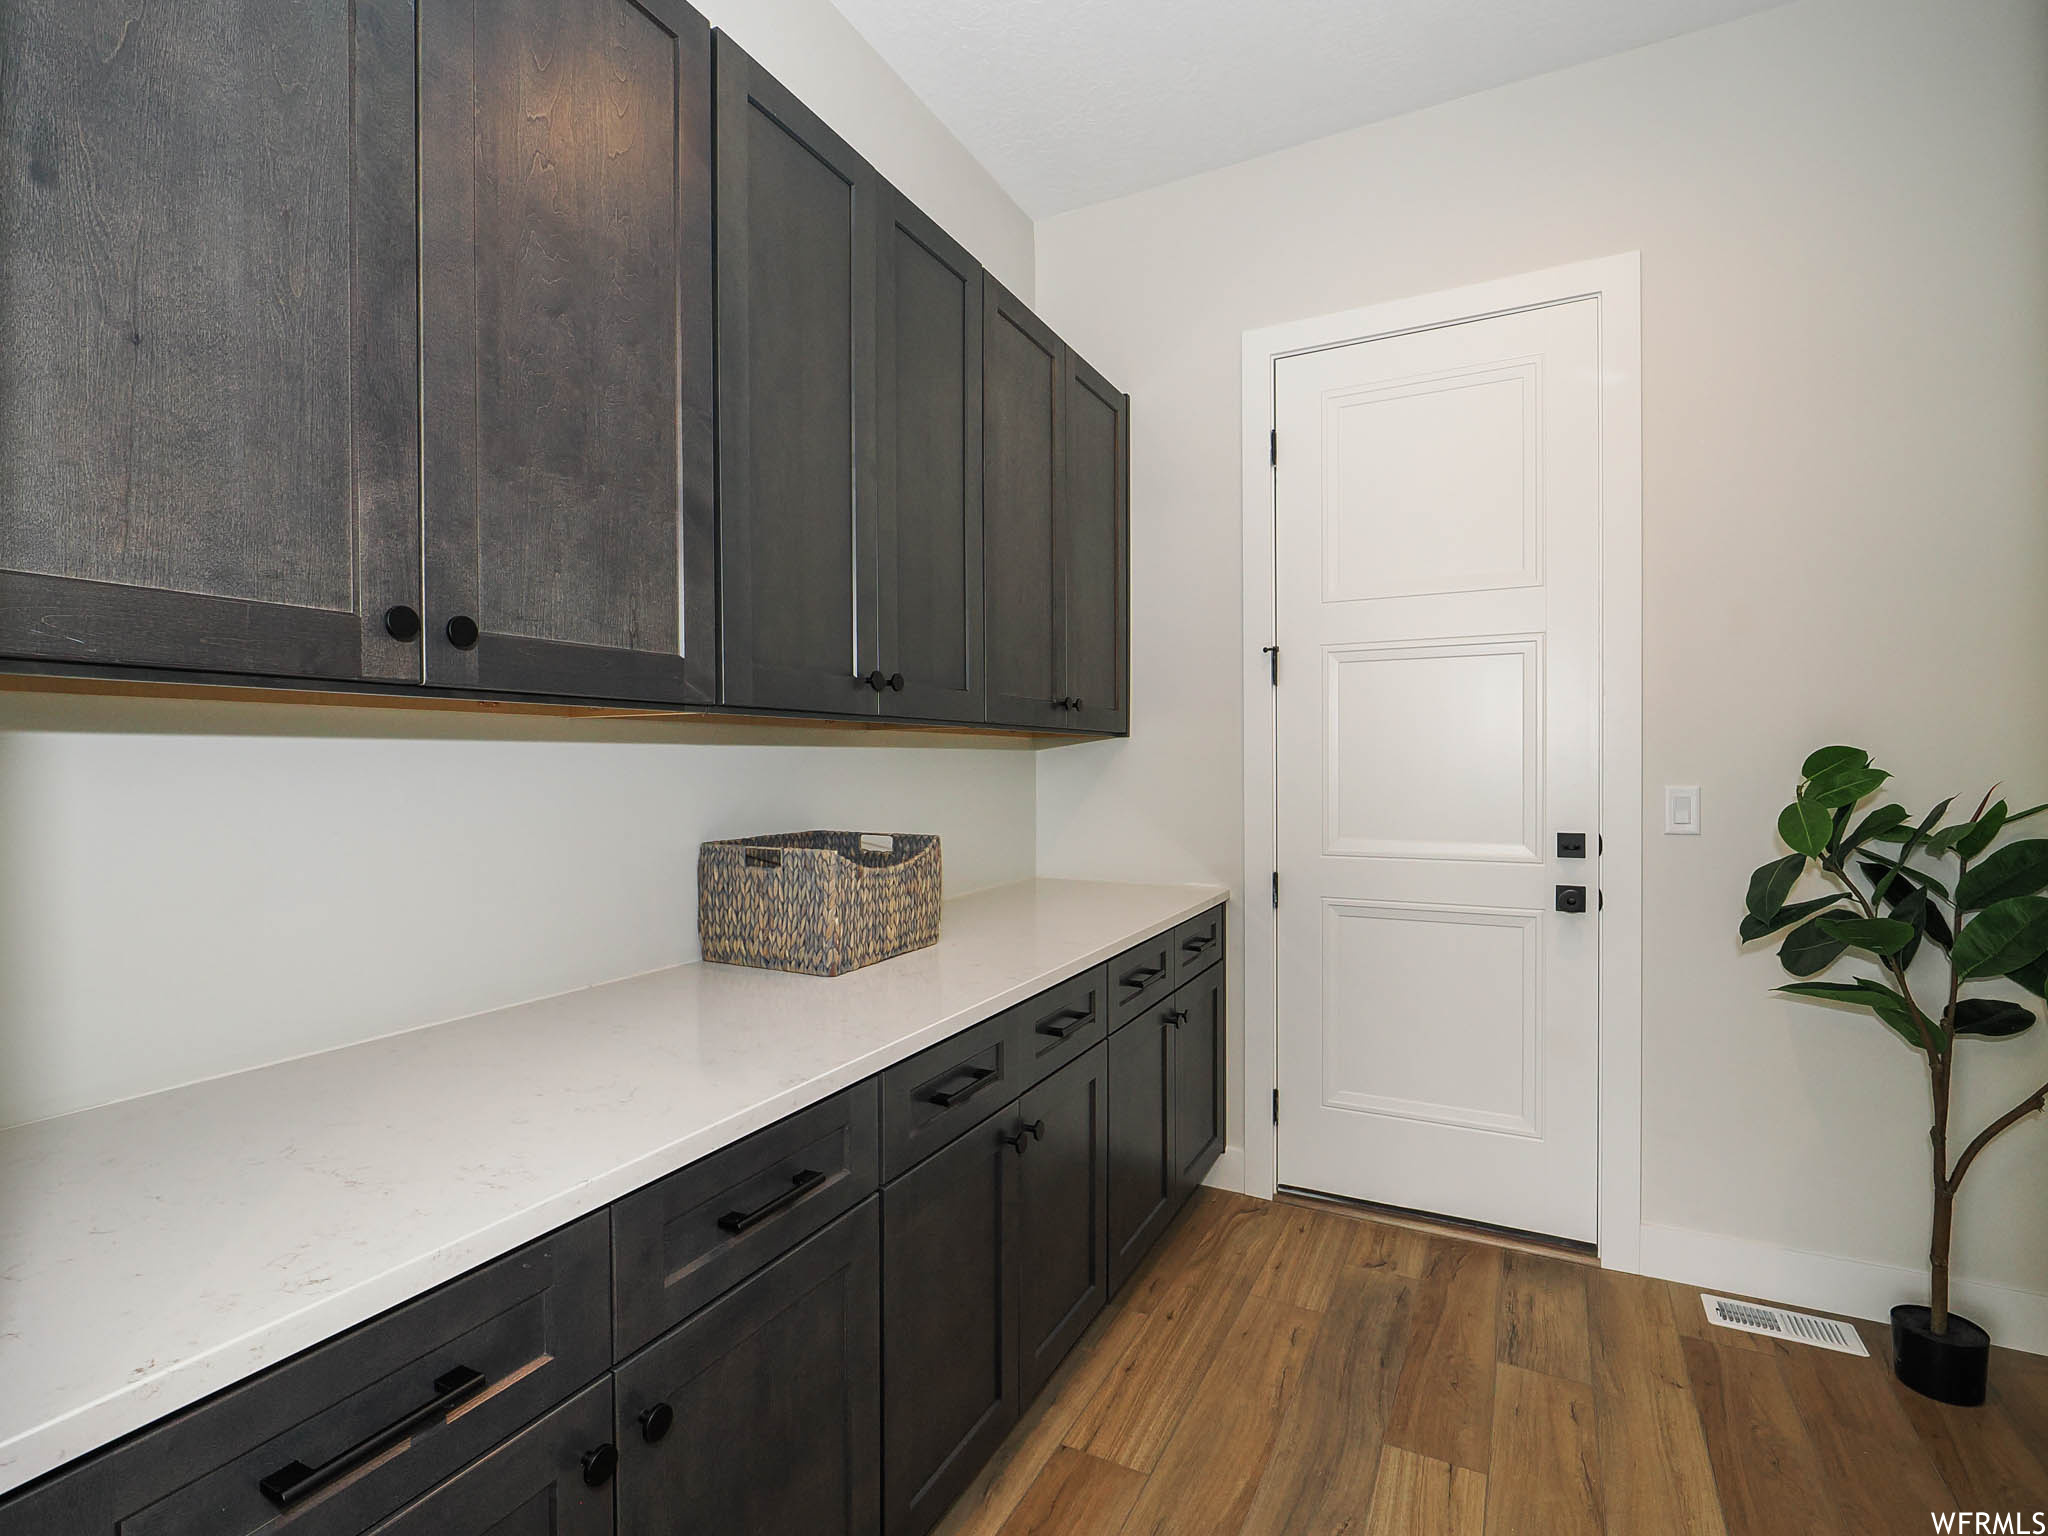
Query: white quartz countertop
x,y
155,1251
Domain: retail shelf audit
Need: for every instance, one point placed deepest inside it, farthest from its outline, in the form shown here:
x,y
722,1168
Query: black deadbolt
x,y
401,622
1571,898
1571,845
462,632
656,1422
600,1464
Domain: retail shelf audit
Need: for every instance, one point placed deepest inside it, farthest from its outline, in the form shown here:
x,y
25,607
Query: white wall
x,y
1842,210
191,888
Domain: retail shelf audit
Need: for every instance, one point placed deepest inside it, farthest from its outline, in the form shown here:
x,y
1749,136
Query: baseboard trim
x,y
1852,1287
1227,1172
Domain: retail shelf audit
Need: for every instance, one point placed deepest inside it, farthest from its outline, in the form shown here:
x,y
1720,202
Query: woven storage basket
x,y
816,902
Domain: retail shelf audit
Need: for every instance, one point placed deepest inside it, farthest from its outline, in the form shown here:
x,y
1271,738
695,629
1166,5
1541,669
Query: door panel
x,y
1142,1173
565,188
1063,1232
208,396
928,465
949,1322
1094,542
1024,452
1437,577
797,213
775,1393
1198,1125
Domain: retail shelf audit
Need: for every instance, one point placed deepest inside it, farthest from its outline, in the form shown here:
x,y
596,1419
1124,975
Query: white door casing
x,y
1455,590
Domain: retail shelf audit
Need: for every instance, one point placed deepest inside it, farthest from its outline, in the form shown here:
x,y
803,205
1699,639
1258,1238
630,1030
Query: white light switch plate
x,y
1682,810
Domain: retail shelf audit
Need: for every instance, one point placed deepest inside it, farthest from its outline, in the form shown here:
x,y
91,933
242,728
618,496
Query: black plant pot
x,y
1949,1367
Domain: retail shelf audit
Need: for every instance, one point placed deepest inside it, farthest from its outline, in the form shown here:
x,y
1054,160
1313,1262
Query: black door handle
x,y
1571,898
1037,1130
1176,1016
978,1078
1142,977
600,1464
656,1421
295,1482
799,1185
896,681
1065,1022
1023,1136
402,622
462,632
874,680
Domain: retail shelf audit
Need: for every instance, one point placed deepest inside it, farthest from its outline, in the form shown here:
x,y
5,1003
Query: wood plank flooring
x,y
1276,1370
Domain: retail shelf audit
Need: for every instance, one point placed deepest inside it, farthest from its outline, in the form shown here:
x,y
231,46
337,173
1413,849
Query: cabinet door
x,y
208,432
1093,543
1062,1214
1198,1127
796,341
1023,474
566,348
761,1415
949,1322
1142,1171
551,1479
928,465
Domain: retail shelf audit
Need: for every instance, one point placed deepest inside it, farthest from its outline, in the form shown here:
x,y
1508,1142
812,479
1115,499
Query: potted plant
x,y
1904,890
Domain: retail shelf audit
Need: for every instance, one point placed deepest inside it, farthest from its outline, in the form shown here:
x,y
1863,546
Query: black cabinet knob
x,y
656,1422
1075,702
462,632
401,622
1017,1140
896,681
600,1464
875,680
1037,1130
1177,1017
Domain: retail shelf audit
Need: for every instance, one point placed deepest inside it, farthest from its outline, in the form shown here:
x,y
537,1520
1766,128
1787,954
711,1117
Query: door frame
x,y
1615,282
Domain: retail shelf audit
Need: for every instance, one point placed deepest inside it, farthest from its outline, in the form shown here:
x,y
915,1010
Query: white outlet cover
x,y
1682,810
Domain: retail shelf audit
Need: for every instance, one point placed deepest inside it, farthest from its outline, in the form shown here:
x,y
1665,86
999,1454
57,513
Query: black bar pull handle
x,y
978,1078
1142,977
1197,945
295,1482
1065,1022
799,1186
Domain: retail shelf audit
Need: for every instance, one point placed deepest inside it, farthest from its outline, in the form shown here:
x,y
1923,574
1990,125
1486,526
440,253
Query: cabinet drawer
x,y
1140,977
553,1479
684,1241
1060,1024
949,1088
348,1433
1198,943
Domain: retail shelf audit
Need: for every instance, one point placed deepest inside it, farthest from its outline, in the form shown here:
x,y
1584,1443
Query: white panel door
x,y
1437,601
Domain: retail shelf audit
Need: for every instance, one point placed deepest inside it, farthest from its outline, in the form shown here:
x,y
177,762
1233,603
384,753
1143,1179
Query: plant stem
x,y
2033,1103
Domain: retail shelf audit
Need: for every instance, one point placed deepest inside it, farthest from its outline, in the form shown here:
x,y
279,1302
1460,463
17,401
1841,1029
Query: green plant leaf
x,y
1889,1007
1885,819
1891,879
1771,884
1912,908
1806,827
1992,1018
1754,927
1827,758
2017,869
1982,831
2005,937
1879,935
1842,786
2032,810
1807,951
2033,975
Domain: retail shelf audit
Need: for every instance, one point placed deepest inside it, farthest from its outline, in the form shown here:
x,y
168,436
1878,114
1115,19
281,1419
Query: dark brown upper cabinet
x,y
1093,542
1023,468
565,194
928,316
207,384
797,215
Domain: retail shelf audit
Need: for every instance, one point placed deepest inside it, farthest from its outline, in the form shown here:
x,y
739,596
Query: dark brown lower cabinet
x,y
551,1479
761,1415
1198,1127
1143,1174
949,1321
1063,1215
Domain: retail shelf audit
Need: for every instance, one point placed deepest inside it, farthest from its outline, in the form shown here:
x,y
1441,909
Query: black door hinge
x,y
1276,890
1273,448
1276,1106
1273,660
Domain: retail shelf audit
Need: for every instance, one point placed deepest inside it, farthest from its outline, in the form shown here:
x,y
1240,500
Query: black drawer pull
x,y
295,1482
1142,977
1065,1022
1196,946
978,1078
799,1185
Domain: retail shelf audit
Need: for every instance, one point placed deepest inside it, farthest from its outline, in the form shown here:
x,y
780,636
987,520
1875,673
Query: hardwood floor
x,y
1275,1370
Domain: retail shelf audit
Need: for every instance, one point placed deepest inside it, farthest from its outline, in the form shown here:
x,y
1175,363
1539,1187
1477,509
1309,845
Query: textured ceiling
x,y
1070,102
